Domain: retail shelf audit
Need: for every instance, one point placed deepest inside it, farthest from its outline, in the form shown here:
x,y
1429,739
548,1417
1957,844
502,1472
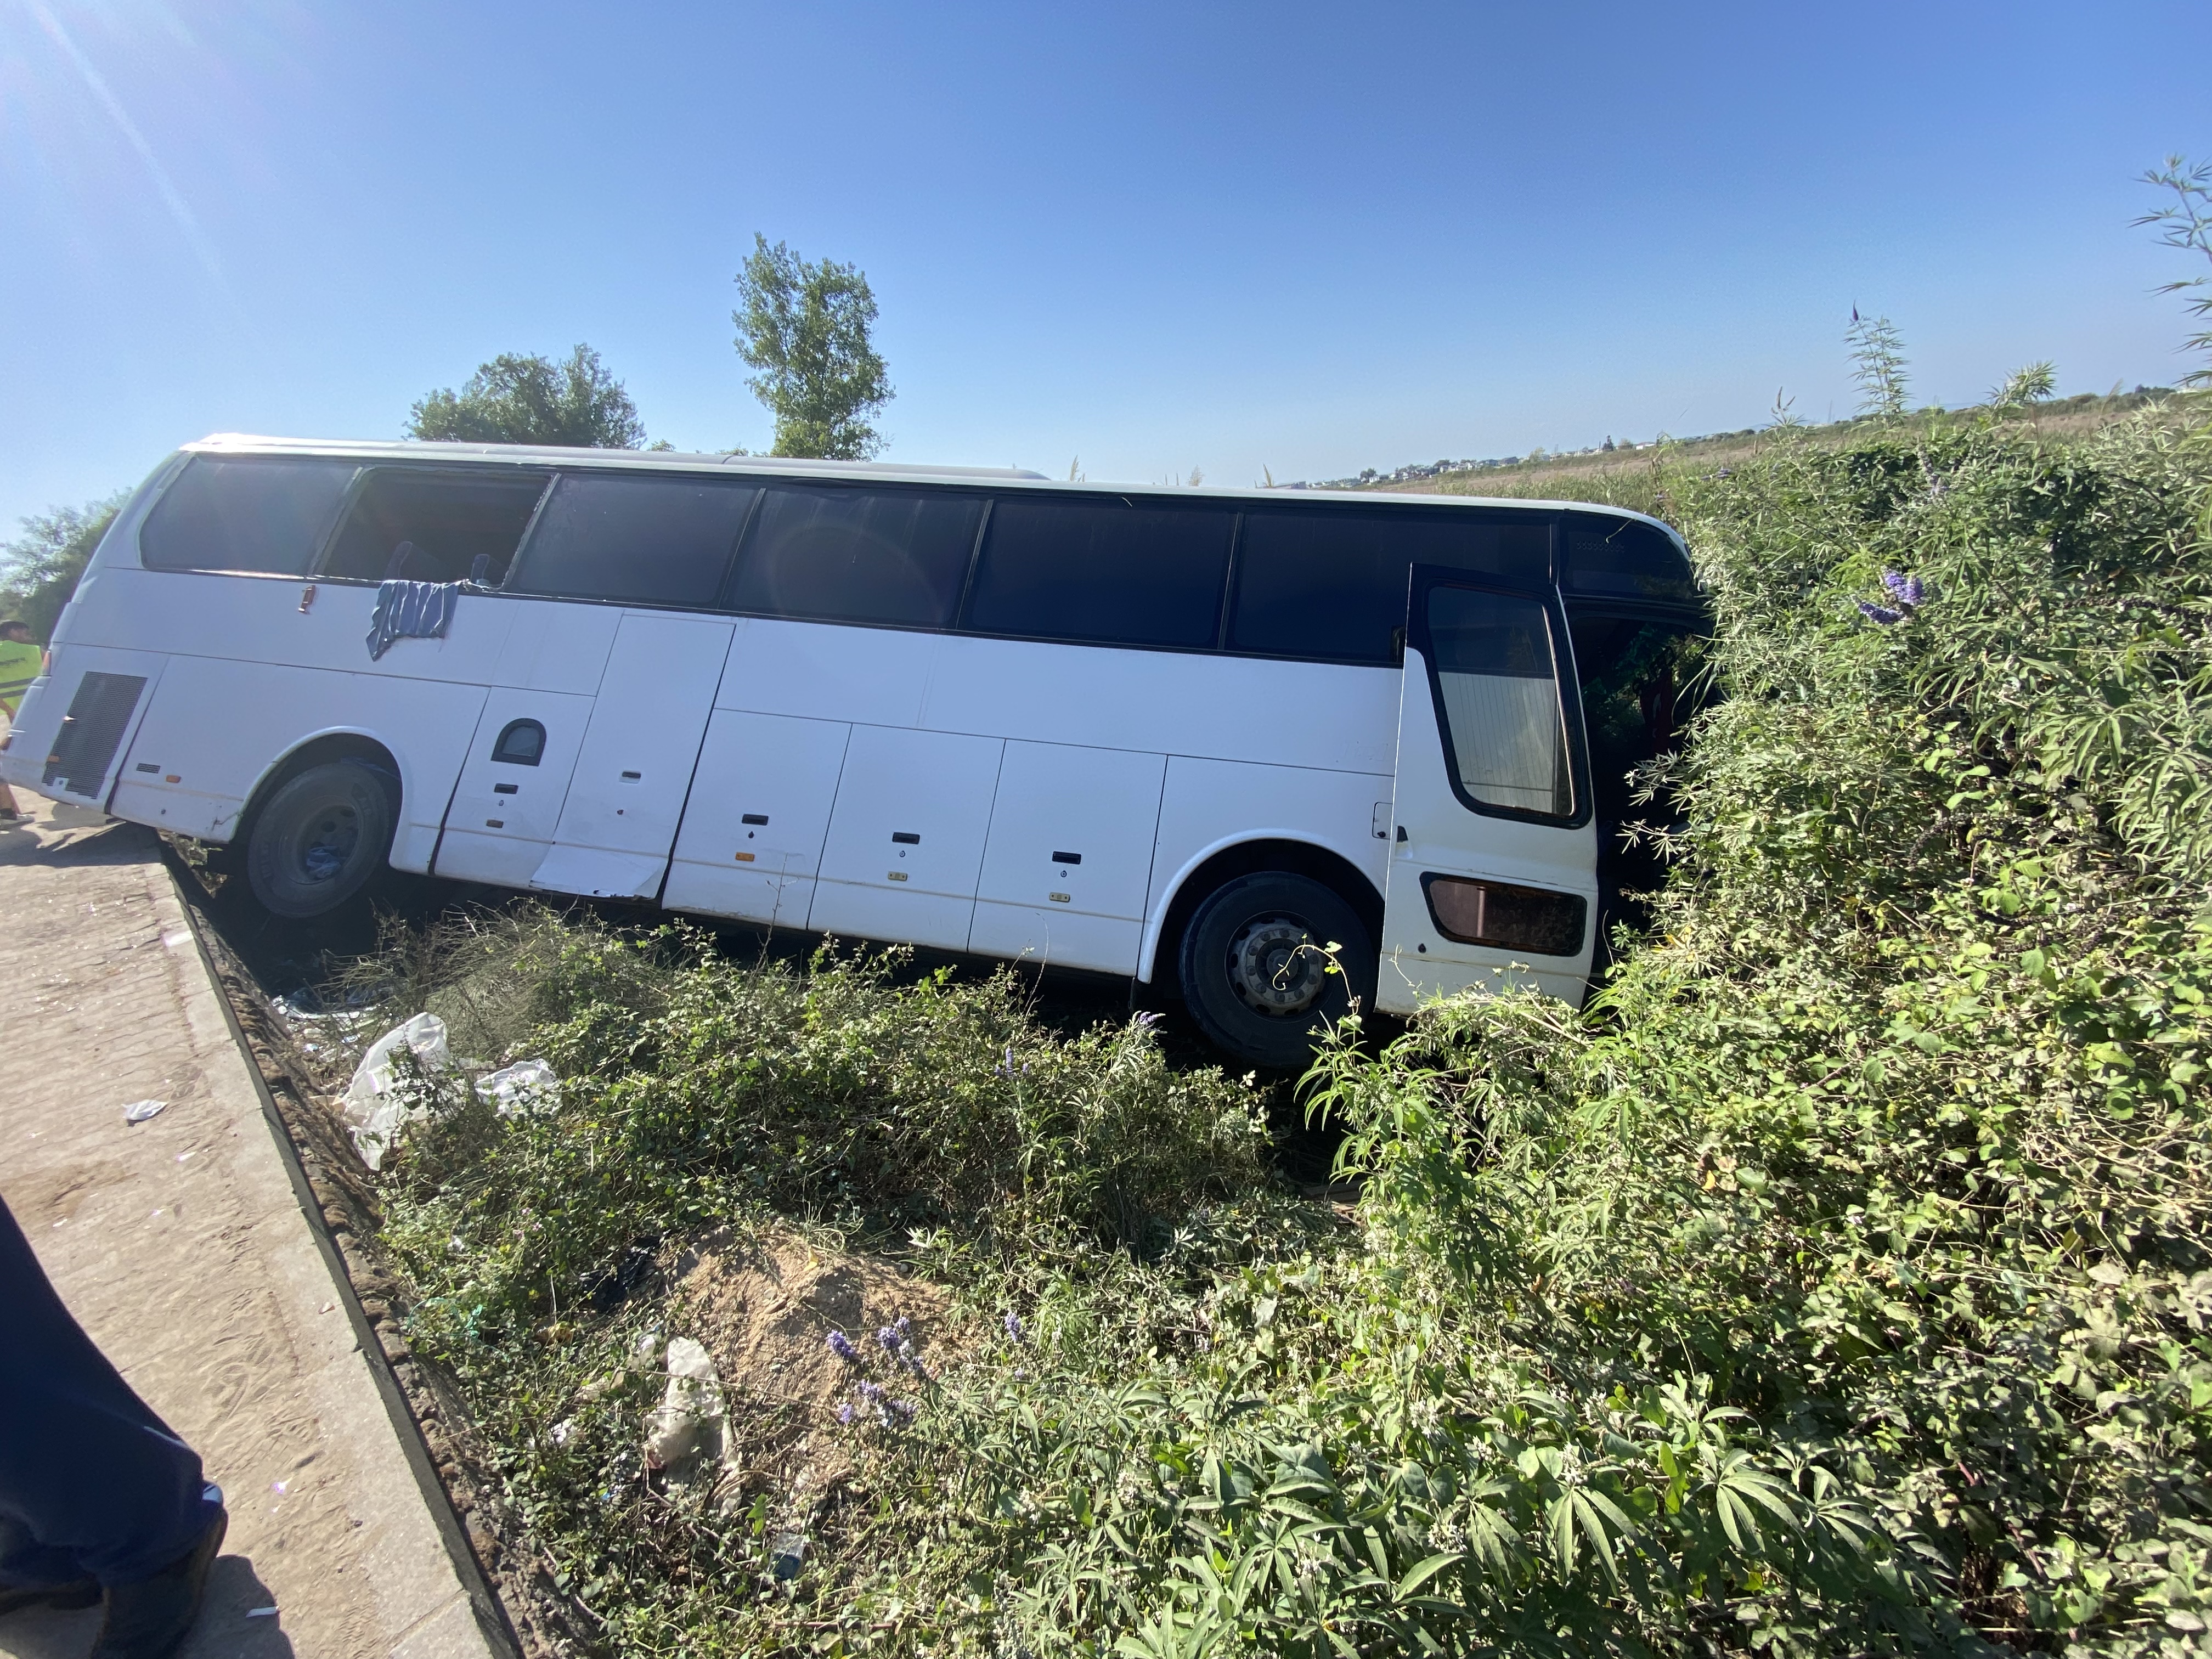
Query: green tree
x,y
804,326
39,570
2187,225
1878,365
514,399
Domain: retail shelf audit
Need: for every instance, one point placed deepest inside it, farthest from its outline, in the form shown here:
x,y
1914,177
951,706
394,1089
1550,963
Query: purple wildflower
x,y
903,1409
902,1325
1905,590
890,1337
1880,613
1013,1325
1145,1021
845,1413
843,1348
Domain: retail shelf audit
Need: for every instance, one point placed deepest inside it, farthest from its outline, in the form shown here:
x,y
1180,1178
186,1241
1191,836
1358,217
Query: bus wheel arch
x,y
1283,884
319,825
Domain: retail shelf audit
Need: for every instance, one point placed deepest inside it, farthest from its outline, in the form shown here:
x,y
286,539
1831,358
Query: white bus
x,y
1168,734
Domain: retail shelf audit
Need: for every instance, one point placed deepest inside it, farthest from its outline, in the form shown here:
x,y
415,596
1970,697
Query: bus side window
x,y
868,556
423,524
521,743
261,513
647,540
1104,572
1319,582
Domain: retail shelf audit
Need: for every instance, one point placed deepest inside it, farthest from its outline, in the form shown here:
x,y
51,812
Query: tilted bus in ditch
x,y
1177,735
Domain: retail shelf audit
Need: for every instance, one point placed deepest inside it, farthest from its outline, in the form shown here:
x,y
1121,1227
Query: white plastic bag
x,y
690,1428
524,1088
375,1108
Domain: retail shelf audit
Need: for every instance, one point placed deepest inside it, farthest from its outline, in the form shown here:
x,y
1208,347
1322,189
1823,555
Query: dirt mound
x,y
765,1308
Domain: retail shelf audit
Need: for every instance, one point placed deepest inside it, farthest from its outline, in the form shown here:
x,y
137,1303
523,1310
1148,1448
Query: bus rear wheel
x,y
319,839
1256,970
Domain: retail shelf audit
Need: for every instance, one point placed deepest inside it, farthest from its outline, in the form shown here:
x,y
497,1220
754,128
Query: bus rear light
x,y
1508,918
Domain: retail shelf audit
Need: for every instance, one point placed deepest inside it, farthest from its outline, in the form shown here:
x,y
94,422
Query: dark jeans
x,y
92,1483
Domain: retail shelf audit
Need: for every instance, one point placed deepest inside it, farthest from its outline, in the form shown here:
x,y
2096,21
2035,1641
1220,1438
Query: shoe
x,y
148,1619
80,1594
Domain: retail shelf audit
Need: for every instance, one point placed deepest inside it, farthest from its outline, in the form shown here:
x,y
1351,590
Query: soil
x,y
764,1308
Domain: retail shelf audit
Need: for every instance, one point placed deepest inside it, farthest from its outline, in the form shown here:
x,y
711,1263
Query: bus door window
x,y
1503,726
415,523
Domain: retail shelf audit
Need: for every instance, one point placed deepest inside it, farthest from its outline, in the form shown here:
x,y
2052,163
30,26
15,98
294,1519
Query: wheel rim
x,y
1275,968
327,842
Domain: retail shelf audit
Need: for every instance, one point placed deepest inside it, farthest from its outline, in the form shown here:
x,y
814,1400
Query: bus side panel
x,y
906,837
219,727
753,830
503,816
1069,856
105,710
259,619
1212,805
1244,709
818,670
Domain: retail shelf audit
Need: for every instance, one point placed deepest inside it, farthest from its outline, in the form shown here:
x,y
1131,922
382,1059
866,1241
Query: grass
x,y
1638,477
1836,1282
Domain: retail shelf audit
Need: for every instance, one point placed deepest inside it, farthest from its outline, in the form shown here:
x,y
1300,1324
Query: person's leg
x,y
90,1476
7,807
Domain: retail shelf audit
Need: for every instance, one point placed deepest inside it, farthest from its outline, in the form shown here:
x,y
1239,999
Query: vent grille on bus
x,y
98,716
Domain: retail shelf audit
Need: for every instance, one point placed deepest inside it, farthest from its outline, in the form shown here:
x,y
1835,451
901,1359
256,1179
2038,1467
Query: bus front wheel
x,y
319,839
1256,972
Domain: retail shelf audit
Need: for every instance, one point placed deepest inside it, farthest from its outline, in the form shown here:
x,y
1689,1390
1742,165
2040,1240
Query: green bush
x,y
699,1090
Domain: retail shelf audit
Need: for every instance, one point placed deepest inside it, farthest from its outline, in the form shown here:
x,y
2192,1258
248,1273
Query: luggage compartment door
x,y
1070,856
906,837
752,833
507,804
634,769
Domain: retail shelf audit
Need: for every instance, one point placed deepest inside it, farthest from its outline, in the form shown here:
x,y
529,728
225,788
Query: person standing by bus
x,y
100,1500
20,663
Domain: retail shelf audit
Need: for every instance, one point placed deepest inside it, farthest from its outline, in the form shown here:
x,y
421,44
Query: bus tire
x,y
319,839
1253,976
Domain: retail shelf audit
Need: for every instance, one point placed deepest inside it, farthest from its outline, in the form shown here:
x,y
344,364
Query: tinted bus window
x,y
1626,559
265,514
1102,571
869,555
650,541
417,525
1332,585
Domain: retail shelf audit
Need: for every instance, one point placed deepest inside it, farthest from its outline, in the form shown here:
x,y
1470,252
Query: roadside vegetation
x,y
1836,1282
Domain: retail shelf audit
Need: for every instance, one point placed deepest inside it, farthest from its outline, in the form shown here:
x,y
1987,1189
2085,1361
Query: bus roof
x,y
878,471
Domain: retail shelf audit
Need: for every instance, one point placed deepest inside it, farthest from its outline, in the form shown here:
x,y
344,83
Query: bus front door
x,y
626,795
1493,858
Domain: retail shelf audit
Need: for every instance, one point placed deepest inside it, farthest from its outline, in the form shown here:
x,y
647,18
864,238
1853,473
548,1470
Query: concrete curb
x,y
445,1634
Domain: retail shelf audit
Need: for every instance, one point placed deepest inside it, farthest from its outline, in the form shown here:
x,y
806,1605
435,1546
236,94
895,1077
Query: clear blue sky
x,y
1157,237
